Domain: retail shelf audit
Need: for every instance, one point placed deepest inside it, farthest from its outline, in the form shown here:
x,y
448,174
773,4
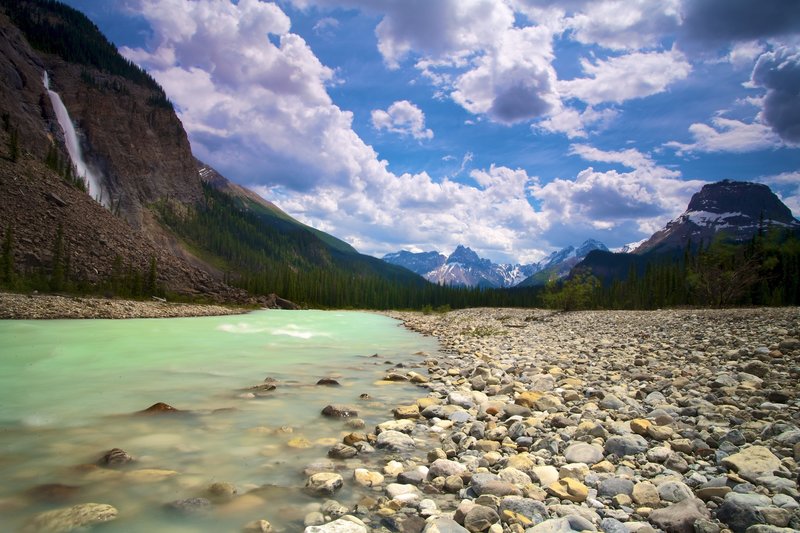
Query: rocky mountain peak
x,y
752,200
464,255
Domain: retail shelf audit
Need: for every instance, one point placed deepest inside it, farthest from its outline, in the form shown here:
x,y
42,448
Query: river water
x,y
70,390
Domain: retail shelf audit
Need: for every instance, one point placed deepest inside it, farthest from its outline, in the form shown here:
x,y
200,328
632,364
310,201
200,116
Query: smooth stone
x,y
329,382
480,518
148,475
577,471
680,517
566,524
445,468
402,425
622,445
258,526
324,483
583,452
221,490
530,509
339,411
544,475
71,518
319,466
513,475
752,463
395,441
342,451
404,412
367,478
395,490
346,524
645,494
674,491
613,486
314,518
444,525
159,408
611,402
740,511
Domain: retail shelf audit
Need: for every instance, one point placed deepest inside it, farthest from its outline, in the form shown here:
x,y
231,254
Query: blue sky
x,y
515,127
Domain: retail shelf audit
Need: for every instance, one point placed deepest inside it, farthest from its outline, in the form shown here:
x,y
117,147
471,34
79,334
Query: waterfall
x,y
94,188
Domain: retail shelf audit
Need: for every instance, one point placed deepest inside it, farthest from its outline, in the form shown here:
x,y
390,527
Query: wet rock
x,y
221,491
258,526
395,441
680,517
71,518
116,457
329,382
324,483
346,524
444,525
53,492
159,408
342,451
339,411
189,506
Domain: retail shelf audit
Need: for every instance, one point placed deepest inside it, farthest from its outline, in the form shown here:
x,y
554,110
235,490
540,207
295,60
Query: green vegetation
x,y
264,252
55,28
7,259
763,271
64,168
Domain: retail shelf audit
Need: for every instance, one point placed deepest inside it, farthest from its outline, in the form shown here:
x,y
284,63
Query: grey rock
x,y
621,445
339,411
444,468
342,451
740,511
190,506
71,518
674,491
444,525
680,517
566,524
612,486
480,518
342,525
531,509
583,452
395,441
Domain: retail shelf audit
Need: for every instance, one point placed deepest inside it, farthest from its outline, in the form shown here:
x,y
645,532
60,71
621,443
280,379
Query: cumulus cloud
x,y
625,24
625,77
787,186
779,72
727,135
404,118
637,201
577,124
720,21
325,26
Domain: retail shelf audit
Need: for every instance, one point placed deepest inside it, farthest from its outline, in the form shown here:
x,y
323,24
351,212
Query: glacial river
x,y
69,391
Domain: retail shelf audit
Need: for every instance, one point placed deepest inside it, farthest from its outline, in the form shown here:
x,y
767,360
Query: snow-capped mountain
x,y
629,248
738,208
420,263
463,267
558,264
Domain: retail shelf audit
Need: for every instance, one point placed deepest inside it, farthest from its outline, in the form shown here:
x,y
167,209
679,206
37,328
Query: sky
x,y
515,127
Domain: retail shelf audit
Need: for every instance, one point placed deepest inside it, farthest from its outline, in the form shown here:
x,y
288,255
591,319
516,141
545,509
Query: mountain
x,y
736,208
420,262
733,210
558,264
154,215
464,267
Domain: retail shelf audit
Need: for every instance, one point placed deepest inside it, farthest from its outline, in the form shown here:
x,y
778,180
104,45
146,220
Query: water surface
x,y
69,388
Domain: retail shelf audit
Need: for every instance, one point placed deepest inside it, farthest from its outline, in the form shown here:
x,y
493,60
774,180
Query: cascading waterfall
x,y
94,187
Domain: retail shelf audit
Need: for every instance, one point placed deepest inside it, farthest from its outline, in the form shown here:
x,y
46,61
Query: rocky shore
x,y
533,421
48,306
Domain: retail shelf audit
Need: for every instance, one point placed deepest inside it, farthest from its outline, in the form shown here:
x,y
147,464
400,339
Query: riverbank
x,y
49,306
684,420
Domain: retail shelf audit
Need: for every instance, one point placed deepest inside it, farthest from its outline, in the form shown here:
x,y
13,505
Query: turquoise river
x,y
70,390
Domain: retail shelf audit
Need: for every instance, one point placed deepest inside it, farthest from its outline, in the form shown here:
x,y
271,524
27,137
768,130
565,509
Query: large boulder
x,y
71,518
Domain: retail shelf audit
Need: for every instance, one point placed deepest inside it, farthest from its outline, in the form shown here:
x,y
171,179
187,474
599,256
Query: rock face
x,y
71,518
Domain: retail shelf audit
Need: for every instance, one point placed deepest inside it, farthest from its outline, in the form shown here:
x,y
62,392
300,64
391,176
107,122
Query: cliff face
x,y
138,147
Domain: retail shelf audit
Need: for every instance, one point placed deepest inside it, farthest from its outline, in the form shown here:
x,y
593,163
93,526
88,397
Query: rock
x,y
752,463
314,518
444,525
622,445
395,441
640,426
533,511
342,451
71,518
569,489
480,518
680,517
190,506
611,402
258,526
514,476
740,511
445,468
115,457
567,524
53,492
674,491
367,478
339,411
159,408
148,475
613,486
324,483
221,491
319,466
406,412
346,524
329,382
582,452
645,494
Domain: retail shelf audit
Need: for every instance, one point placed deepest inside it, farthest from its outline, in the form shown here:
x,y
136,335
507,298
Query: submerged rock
x,y
71,518
159,408
116,457
339,411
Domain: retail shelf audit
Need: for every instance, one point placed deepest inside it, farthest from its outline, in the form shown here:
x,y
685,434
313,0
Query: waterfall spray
x,y
94,187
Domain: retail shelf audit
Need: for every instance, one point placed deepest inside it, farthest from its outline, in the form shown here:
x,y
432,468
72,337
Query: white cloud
x,y
727,135
625,24
404,118
787,187
625,77
574,123
325,26
745,53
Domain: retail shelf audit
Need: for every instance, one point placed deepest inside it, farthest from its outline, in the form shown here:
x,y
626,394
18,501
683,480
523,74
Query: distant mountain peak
x,y
739,208
464,254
